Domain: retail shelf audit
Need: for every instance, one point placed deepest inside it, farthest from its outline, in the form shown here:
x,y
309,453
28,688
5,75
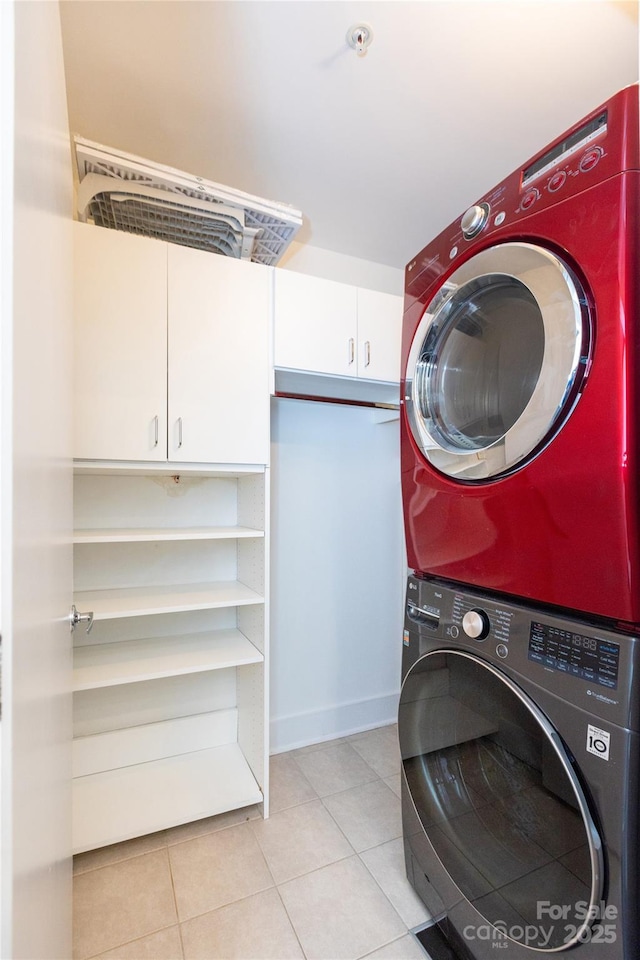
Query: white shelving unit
x,y
170,701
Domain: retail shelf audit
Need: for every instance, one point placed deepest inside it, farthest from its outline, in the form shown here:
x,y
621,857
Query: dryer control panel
x,y
582,662
602,145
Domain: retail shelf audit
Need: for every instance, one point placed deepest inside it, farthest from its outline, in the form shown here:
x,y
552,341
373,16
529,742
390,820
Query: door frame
x,y
35,485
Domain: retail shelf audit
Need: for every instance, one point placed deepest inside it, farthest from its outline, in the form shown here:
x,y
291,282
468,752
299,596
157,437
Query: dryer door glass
x,y
497,361
499,800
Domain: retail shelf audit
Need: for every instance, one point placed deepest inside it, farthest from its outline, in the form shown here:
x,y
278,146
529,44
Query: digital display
x,y
590,658
570,145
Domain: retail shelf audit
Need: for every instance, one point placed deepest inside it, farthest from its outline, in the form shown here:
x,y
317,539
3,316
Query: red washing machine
x,y
521,360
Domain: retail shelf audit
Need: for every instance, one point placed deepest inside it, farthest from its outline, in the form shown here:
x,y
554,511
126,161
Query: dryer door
x,y
497,361
499,801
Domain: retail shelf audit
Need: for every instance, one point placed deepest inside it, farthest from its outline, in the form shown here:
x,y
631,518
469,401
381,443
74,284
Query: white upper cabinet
x,y
315,324
379,335
218,358
332,328
171,352
120,346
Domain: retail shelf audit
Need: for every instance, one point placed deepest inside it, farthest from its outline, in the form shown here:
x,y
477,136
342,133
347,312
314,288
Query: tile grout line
x,y
113,863
383,945
293,926
127,943
323,797
165,845
276,888
228,903
150,933
300,773
376,881
175,902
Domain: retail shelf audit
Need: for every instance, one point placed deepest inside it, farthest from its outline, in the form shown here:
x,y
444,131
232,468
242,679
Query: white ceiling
x,y
379,152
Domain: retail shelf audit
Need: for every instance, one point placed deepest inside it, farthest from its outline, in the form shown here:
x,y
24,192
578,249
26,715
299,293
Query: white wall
x,y
337,571
305,258
338,557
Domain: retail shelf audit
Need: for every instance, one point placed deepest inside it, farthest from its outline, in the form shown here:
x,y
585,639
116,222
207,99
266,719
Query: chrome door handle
x,y
367,353
75,617
179,432
352,350
156,422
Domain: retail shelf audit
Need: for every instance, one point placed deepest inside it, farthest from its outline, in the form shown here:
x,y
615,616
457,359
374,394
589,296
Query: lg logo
x,y
598,742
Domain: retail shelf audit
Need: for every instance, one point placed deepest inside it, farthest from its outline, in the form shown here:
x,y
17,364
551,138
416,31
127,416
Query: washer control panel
x,y
591,665
487,621
576,653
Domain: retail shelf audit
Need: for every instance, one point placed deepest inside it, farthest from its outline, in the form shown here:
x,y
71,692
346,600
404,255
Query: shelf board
x,y
132,801
147,534
135,468
305,383
146,601
133,661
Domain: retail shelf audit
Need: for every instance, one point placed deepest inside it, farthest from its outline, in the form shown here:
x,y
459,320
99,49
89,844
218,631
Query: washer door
x,y
497,361
499,801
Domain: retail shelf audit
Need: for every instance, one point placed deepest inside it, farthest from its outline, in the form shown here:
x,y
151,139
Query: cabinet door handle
x,y
156,427
367,353
352,350
179,432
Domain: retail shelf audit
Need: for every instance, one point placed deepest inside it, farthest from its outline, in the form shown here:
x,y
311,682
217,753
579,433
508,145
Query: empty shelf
x,y
142,534
132,801
132,661
145,601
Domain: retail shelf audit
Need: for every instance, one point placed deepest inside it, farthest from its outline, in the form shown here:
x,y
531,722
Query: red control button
x,y
556,181
590,159
529,199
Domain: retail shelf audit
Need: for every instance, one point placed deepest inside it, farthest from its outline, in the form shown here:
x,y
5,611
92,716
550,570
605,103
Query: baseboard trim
x,y
329,723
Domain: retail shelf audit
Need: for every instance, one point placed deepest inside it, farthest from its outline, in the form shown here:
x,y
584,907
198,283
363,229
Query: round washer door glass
x,y
499,800
497,361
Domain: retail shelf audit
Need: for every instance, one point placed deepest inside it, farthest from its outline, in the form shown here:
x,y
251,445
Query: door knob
x,y
75,617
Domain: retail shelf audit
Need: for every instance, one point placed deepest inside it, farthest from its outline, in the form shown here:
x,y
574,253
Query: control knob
x,y
474,220
476,625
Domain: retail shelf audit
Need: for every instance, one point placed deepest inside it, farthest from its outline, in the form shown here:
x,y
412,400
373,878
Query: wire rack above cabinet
x,y
124,192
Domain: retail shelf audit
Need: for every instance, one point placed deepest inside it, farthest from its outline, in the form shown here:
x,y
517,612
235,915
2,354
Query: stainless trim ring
x,y
563,308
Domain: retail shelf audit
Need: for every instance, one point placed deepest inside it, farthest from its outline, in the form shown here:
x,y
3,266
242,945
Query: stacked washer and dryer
x,y
519,714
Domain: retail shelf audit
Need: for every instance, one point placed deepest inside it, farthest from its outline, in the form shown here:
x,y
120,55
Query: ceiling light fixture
x,y
360,36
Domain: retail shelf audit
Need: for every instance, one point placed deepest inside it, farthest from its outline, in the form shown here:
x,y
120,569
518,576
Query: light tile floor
x,y
323,878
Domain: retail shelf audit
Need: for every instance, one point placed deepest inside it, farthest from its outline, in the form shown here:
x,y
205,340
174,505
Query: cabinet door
x,y
120,346
218,358
379,335
315,324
